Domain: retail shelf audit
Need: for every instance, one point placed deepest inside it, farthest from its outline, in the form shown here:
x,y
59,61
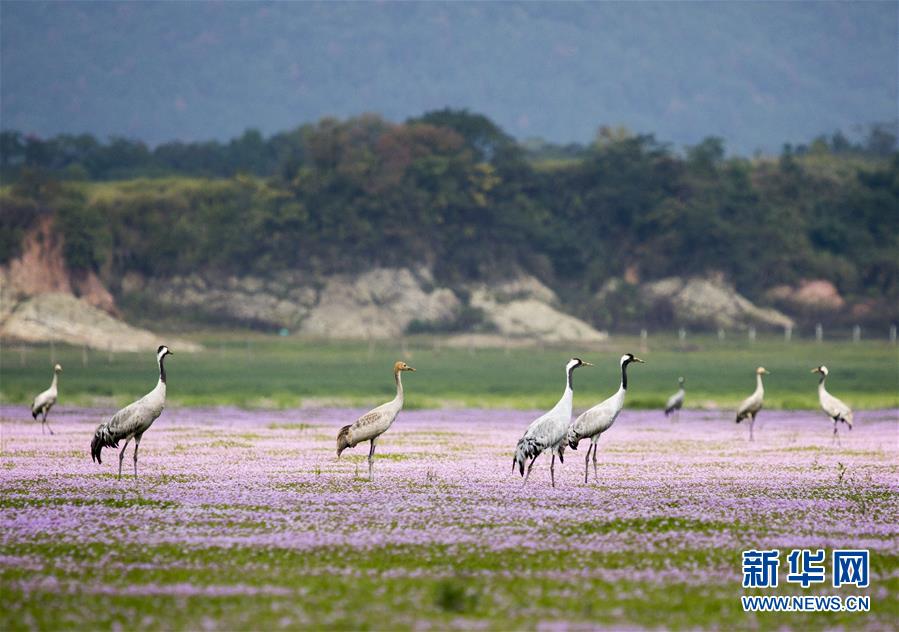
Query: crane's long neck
x,y
55,380
567,399
623,386
821,388
162,370
758,383
397,375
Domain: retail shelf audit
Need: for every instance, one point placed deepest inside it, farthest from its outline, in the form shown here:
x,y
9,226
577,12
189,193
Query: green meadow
x,y
262,371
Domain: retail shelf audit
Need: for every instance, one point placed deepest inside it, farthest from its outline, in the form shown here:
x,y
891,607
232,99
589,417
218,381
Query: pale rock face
x,y
523,307
62,317
377,304
712,301
816,294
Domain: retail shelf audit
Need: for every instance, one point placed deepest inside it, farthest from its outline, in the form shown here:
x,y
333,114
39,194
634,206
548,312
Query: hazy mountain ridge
x,y
756,75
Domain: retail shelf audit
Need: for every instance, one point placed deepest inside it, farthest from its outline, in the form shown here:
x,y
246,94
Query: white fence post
x,y
819,333
788,333
751,334
856,333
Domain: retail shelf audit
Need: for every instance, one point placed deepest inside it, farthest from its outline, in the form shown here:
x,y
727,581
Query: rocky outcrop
x,y
815,295
524,307
379,303
703,302
61,317
41,268
42,300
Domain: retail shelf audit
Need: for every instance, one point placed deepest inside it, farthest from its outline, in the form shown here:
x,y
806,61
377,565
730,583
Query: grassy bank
x,y
253,370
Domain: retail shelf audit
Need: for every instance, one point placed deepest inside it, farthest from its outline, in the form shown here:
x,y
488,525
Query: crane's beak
x,y
639,360
409,368
586,363
816,370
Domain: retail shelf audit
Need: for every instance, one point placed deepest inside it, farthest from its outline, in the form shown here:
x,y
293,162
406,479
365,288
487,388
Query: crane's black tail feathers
x,y
573,439
670,410
103,438
34,413
526,449
343,441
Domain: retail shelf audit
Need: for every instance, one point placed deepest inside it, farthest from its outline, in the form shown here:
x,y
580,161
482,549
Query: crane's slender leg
x,y
122,455
751,424
595,475
371,458
136,446
552,470
836,436
528,473
587,462
45,422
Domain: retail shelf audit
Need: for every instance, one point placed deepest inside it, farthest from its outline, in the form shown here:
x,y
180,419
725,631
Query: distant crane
x,y
44,401
835,409
374,423
133,420
753,404
548,431
676,401
592,423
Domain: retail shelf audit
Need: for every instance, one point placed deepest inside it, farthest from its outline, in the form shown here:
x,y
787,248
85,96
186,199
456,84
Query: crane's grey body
x,y
751,406
548,431
133,420
835,409
45,400
375,422
676,401
593,422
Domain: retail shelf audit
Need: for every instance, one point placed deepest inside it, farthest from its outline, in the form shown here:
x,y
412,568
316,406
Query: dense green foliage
x,y
452,191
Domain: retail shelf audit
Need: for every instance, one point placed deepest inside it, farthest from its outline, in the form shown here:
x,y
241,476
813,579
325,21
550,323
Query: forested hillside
x,y
451,191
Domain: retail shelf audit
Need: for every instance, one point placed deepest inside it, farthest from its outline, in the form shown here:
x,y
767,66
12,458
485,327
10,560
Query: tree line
x,y
452,191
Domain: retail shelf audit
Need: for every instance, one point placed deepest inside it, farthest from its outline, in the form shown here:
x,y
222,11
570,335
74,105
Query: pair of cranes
x,y
551,431
129,423
837,410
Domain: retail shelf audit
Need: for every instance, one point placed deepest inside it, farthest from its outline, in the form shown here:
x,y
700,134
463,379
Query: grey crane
x,y
835,409
592,423
133,420
548,431
676,401
753,404
374,423
45,400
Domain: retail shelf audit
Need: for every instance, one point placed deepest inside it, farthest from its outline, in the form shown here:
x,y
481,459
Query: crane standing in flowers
x,y
133,420
548,431
45,400
592,423
374,423
676,401
835,409
753,404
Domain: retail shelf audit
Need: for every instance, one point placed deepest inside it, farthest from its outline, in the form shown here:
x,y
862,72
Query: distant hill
x,y
755,74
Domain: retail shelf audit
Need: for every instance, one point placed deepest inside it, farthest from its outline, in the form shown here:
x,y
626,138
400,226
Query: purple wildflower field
x,y
246,519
